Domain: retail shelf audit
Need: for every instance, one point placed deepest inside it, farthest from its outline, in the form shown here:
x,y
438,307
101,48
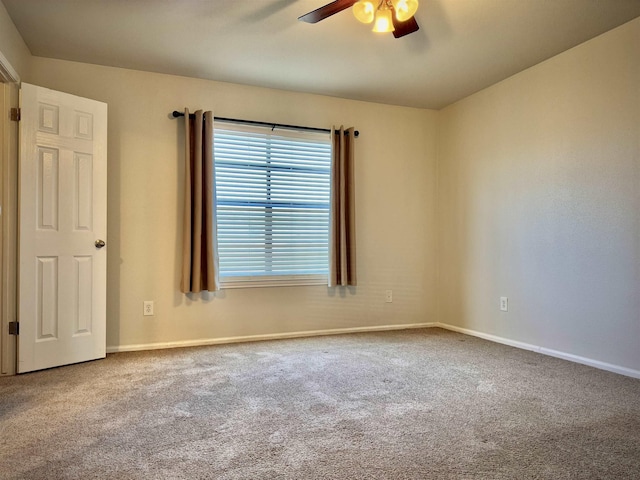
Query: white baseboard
x,y
629,372
258,338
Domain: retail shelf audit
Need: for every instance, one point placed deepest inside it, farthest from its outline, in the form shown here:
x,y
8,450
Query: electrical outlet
x,y
147,308
504,304
388,296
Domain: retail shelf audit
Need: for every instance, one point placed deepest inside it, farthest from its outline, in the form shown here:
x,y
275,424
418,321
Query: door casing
x,y
9,91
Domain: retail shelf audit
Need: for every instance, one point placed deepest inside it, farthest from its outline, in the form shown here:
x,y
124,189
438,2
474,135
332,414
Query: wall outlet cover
x,y
504,304
147,308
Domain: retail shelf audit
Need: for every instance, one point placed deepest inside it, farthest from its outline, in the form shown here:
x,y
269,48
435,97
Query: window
x,y
272,192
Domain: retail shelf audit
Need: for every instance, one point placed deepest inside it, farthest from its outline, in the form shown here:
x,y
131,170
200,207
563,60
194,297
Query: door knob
x,y
100,243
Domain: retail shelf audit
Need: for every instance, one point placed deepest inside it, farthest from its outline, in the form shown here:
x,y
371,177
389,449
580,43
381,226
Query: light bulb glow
x,y
384,22
405,9
364,11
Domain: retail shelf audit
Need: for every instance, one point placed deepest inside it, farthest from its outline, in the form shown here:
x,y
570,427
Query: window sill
x,y
273,281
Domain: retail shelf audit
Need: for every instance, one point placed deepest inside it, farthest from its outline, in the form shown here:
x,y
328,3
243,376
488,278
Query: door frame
x,y
9,93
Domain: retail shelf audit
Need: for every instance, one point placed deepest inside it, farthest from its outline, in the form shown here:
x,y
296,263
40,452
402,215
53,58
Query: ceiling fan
x,y
387,15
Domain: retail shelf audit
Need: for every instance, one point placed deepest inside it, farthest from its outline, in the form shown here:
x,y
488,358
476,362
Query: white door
x,y
63,222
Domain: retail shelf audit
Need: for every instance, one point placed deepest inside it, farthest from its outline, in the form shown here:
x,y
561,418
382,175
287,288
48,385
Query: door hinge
x,y
14,114
14,328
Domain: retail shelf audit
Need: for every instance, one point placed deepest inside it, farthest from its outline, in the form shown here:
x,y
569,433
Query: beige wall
x,y
539,200
12,45
395,203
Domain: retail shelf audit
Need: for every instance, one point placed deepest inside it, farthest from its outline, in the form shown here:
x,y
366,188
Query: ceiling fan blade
x,y
404,28
326,11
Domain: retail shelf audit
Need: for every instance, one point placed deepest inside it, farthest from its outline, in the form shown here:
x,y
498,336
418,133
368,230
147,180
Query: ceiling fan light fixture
x,y
405,9
383,22
381,12
364,11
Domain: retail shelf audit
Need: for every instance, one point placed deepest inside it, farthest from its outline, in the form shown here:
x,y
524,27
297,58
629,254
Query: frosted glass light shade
x,y
405,9
364,11
384,22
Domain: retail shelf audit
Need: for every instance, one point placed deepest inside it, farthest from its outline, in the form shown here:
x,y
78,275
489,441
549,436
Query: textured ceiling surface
x,y
462,45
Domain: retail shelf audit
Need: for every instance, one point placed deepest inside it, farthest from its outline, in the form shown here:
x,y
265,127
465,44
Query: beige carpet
x,y
417,404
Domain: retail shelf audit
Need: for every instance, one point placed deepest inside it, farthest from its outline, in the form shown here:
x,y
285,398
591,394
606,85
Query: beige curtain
x,y
199,247
342,240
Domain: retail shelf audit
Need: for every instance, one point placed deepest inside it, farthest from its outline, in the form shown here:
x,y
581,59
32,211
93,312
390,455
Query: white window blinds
x,y
272,192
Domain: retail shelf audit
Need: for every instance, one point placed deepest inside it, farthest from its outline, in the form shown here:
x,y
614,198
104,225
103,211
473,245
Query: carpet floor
x,y
414,404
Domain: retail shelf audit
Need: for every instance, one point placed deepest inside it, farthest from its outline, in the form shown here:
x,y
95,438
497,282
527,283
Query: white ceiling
x,y
462,45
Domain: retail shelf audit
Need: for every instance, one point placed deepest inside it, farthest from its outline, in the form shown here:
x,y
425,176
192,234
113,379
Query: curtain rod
x,y
177,114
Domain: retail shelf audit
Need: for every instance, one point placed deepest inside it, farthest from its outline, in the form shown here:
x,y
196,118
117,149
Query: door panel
x,y
62,286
